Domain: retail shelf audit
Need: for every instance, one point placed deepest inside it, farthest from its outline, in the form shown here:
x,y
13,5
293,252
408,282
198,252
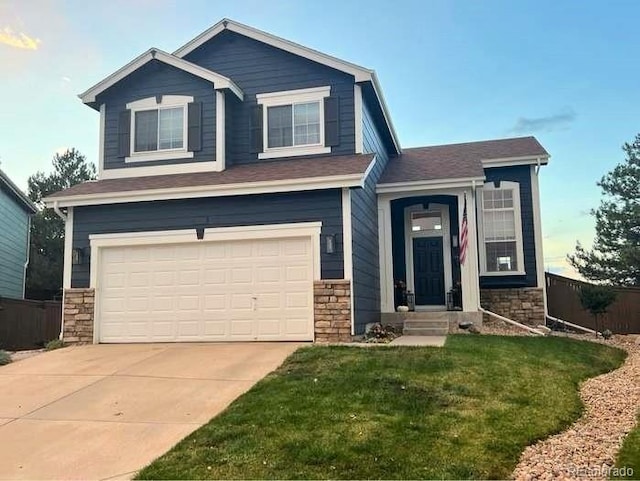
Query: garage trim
x,y
186,236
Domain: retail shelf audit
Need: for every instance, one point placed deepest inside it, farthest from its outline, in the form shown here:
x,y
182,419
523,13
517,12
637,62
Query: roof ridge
x,y
487,141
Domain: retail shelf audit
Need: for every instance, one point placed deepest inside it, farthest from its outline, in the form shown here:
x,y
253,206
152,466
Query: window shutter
x,y
331,121
255,129
194,127
124,133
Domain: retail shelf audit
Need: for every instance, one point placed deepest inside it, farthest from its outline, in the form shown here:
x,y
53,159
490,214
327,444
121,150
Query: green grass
x,y
629,455
464,411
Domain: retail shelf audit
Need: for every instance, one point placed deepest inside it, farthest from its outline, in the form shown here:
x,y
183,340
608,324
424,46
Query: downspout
x,y
57,210
61,214
26,263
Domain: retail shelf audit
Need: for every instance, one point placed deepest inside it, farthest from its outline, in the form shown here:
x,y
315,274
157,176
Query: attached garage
x,y
235,284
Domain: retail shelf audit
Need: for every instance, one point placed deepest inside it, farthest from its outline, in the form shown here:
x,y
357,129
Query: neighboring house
x,y
15,223
254,189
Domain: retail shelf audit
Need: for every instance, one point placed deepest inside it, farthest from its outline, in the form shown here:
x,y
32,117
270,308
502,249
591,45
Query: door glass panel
x,y
426,221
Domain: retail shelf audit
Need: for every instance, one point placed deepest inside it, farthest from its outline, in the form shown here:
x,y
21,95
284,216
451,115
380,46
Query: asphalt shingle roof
x,y
456,161
235,174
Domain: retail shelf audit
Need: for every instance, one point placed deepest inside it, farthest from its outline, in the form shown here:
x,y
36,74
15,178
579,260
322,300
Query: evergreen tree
x,y
615,257
44,273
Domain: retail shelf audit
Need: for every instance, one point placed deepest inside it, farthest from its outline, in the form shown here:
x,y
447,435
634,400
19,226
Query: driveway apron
x,y
106,411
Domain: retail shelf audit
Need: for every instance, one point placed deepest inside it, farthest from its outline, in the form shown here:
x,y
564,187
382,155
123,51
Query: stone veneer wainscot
x,y
525,305
332,310
77,316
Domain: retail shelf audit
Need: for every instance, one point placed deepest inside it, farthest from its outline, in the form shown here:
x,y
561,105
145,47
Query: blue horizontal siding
x,y
258,68
522,175
156,78
14,238
324,206
364,221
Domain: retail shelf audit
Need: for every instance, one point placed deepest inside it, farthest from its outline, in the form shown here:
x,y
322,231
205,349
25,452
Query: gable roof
x,y
12,189
273,176
219,81
361,74
461,161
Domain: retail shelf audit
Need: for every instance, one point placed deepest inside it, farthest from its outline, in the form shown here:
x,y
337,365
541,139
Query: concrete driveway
x,y
106,411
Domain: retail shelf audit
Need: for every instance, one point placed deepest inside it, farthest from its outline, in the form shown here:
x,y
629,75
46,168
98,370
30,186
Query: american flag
x,y
463,233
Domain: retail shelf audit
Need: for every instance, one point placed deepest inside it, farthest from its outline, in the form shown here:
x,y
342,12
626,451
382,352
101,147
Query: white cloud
x,y
18,39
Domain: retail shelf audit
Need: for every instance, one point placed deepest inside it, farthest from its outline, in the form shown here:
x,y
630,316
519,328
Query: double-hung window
x,y
293,122
501,249
159,130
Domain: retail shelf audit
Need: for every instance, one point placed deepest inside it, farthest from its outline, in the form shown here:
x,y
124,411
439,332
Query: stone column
x,y
78,316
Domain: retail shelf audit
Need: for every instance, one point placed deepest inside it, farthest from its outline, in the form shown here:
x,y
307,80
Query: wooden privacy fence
x,y
563,302
28,324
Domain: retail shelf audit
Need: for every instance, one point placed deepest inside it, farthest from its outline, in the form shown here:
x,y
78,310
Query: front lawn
x,y
463,411
629,455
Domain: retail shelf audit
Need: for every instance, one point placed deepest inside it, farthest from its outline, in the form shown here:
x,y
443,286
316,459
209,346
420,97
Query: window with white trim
x,y
293,122
501,252
159,129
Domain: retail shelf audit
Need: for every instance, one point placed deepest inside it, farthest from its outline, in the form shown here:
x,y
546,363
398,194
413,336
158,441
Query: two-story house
x,y
15,224
251,188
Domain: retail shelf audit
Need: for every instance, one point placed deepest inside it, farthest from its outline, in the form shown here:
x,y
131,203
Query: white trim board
x,y
347,248
286,98
221,123
268,231
150,170
68,247
222,190
515,187
445,234
357,107
151,103
418,185
218,81
211,234
360,74
511,161
537,226
101,138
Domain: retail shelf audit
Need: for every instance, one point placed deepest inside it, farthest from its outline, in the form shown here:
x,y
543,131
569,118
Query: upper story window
x,y
293,122
159,128
501,251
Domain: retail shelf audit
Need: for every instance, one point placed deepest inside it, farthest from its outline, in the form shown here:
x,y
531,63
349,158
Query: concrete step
x,y
424,323
425,331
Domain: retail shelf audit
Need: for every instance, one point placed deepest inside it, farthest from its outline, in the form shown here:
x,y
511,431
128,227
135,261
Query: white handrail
x,y
511,321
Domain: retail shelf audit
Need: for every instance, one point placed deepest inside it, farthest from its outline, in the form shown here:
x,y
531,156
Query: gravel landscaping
x,y
588,449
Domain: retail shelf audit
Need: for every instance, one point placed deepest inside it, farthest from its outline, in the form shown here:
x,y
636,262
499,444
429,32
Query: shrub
x,y
55,344
380,333
5,357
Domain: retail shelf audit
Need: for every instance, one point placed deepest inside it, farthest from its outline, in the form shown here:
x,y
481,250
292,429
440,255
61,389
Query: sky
x,y
451,71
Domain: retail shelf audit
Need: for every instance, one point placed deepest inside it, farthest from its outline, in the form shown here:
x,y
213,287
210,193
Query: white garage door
x,y
207,291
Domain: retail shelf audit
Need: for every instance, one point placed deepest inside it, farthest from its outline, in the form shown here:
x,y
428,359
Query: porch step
x,y
425,331
426,327
424,323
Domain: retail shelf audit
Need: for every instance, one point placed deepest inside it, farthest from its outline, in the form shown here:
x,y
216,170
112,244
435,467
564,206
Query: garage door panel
x,y
241,250
241,275
163,278
214,276
231,290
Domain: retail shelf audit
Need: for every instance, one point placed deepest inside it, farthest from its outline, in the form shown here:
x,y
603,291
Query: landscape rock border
x,y
588,449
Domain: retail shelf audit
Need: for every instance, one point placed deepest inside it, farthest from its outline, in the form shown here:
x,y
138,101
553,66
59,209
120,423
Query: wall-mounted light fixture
x,y
454,240
200,232
330,243
78,256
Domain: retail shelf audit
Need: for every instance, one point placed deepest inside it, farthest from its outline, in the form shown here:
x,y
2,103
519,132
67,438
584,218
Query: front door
x,y
428,271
